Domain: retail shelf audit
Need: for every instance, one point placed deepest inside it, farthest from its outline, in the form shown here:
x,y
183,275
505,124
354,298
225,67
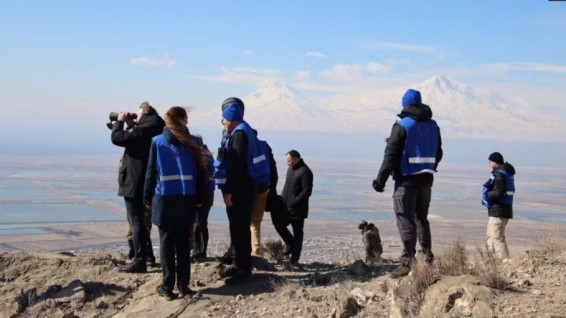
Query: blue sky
x,y
68,63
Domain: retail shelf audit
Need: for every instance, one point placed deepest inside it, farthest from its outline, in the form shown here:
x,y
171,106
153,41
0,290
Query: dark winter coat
x,y
170,210
297,190
498,191
394,151
136,140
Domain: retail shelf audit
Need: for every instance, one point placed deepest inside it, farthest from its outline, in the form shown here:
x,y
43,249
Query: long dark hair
x,y
173,118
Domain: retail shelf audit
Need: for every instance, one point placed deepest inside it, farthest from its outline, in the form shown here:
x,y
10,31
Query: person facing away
x,y
296,193
411,156
238,189
498,193
136,140
175,183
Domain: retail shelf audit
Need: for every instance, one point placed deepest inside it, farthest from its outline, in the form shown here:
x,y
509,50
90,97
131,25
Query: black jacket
x,y
394,150
297,190
136,140
498,191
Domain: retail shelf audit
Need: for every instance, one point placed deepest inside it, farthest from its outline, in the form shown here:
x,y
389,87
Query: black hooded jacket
x,y
136,140
498,191
394,150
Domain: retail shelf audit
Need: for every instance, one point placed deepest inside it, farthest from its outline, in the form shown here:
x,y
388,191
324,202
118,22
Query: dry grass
x,y
454,261
411,297
553,244
487,268
274,249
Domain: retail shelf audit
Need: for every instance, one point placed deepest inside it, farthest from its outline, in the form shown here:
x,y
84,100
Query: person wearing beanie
x,y
411,97
497,197
411,156
233,100
238,190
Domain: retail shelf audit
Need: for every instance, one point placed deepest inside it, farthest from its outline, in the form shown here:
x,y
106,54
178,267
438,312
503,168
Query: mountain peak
x,y
272,90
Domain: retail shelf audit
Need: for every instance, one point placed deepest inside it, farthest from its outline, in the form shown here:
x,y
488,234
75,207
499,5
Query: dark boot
x,y
150,256
131,253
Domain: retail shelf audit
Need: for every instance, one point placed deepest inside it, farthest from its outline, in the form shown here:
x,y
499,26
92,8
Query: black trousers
x,y
411,210
174,241
201,230
294,240
281,219
239,217
140,236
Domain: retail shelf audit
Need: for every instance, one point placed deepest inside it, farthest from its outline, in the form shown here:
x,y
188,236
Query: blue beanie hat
x,y
232,100
233,112
411,97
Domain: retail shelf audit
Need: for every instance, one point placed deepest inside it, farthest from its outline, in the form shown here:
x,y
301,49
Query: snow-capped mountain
x,y
464,113
460,111
276,106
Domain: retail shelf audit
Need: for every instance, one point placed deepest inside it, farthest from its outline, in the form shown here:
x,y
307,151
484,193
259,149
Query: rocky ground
x,y
48,284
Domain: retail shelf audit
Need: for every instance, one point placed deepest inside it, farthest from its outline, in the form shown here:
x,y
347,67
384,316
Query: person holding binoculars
x,y
136,141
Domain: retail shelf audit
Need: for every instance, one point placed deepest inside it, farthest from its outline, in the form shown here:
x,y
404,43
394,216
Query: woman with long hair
x,y
174,186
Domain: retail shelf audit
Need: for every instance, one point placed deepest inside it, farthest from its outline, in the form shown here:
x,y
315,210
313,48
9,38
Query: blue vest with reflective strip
x,y
421,146
509,191
257,160
176,168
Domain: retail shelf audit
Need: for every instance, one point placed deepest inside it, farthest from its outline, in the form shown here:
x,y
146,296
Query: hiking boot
x,y
295,267
402,270
237,278
226,259
228,271
428,256
186,292
133,268
167,294
151,262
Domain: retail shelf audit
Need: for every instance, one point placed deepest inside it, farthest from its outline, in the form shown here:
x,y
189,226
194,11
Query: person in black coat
x,y
136,139
296,193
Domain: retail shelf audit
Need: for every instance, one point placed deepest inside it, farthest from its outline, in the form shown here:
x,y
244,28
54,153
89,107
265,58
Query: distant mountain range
x,y
460,111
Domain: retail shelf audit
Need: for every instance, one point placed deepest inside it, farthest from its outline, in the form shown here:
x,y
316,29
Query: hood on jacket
x,y
418,112
507,167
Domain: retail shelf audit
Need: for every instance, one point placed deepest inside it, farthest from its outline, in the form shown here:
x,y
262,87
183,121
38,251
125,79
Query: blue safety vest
x,y
176,168
257,161
509,191
421,146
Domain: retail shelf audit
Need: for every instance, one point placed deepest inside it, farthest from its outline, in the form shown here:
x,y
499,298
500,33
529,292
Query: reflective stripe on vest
x,y
422,160
176,177
259,159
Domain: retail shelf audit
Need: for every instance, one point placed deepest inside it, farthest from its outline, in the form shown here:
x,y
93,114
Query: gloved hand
x,y
376,186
